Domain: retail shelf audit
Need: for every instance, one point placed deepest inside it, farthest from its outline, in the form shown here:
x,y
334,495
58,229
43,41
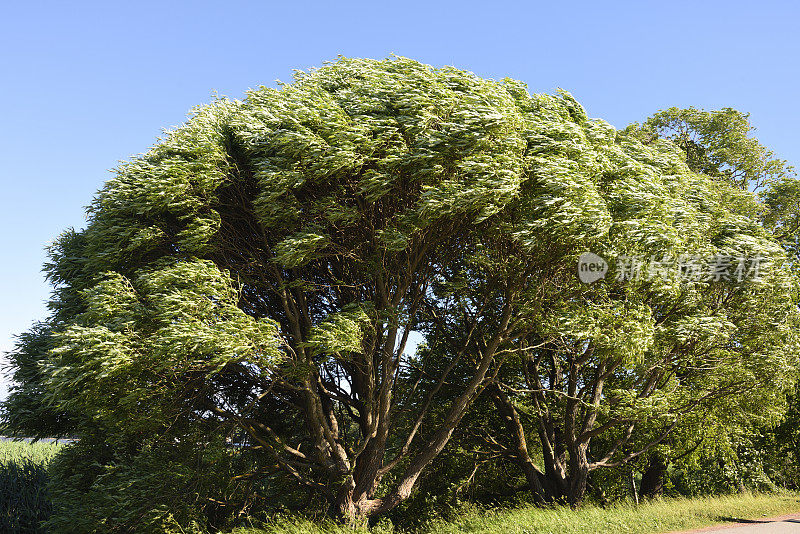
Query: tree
x,y
718,144
606,373
256,277
259,271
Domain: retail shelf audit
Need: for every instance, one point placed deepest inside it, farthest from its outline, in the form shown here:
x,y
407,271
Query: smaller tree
x,y
608,372
718,144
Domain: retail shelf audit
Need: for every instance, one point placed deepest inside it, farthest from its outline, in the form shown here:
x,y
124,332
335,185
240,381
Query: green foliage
x,y
719,144
341,332
781,199
139,344
163,487
24,496
26,410
254,277
778,445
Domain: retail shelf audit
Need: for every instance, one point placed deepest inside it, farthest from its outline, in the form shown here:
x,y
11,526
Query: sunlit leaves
x,y
138,337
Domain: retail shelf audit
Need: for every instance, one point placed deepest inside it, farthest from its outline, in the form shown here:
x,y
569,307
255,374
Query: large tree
x,y
261,268
258,273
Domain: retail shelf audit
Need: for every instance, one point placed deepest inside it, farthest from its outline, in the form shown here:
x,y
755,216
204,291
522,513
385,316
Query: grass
x,y
653,517
24,503
657,516
23,476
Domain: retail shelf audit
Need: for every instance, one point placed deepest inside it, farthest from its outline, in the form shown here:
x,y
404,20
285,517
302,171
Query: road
x,y
785,524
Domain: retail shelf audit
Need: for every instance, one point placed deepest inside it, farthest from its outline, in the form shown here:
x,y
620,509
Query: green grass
x,y
23,476
24,503
653,517
657,516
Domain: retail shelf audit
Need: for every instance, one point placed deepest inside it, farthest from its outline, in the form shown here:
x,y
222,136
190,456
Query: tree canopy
x,y
256,276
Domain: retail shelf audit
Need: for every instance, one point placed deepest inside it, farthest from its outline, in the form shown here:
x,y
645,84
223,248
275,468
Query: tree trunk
x,y
634,491
653,477
519,449
355,500
346,507
578,476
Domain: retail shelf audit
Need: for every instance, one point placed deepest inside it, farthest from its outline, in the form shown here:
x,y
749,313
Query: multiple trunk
x,y
566,426
348,442
355,499
348,469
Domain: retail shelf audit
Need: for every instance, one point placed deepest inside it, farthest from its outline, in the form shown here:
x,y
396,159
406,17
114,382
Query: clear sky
x,y
84,85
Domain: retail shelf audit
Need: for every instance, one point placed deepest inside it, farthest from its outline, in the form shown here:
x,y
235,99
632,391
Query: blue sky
x,y
84,85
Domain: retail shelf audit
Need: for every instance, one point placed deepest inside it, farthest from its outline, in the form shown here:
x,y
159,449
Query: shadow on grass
x,y
728,519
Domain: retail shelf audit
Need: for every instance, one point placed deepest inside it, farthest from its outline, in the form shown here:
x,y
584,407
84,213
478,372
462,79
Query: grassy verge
x,y
24,503
23,476
653,517
658,516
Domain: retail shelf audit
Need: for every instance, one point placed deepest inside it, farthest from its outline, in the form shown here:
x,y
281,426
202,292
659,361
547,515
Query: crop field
x,y
23,484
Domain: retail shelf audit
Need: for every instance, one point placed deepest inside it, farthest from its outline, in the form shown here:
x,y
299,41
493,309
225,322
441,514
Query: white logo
x,y
591,267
